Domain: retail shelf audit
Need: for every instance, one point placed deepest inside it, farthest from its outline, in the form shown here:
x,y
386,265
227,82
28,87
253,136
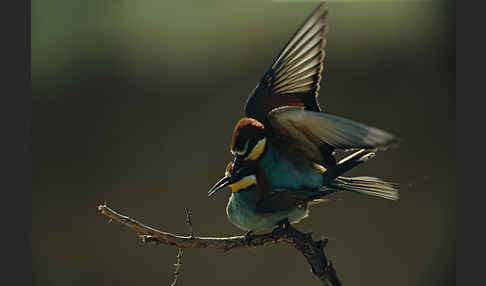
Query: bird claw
x,y
247,237
275,232
282,226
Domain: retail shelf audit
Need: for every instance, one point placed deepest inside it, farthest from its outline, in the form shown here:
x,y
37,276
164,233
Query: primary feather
x,y
294,77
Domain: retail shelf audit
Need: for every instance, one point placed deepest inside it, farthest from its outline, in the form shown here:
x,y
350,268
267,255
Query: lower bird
x,y
246,211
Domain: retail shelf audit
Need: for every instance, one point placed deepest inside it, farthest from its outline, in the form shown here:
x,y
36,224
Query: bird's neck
x,y
246,197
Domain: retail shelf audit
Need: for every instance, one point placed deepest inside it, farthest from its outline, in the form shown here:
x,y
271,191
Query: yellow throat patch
x,y
244,183
257,150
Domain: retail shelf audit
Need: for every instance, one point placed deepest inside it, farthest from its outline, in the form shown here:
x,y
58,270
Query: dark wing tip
x,y
298,67
295,75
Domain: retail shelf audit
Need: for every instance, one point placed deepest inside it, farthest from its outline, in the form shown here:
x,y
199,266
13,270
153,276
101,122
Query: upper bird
x,y
286,141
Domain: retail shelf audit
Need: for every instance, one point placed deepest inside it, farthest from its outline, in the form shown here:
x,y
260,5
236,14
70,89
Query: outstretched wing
x,y
307,131
293,78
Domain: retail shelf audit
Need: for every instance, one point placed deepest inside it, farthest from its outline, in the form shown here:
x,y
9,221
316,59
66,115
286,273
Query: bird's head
x,y
248,142
240,179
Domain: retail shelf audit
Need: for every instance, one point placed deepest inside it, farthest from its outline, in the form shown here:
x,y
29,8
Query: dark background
x,y
134,103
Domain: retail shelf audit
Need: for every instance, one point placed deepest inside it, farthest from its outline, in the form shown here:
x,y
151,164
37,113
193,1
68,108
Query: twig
x,y
178,267
313,251
189,221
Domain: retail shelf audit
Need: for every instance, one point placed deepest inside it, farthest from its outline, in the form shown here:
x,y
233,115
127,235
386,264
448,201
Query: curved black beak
x,y
229,178
225,181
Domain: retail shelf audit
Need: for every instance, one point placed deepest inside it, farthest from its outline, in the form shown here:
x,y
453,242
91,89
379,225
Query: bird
x,y
283,206
284,147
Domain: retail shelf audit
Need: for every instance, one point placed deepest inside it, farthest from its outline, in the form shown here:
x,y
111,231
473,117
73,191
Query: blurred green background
x,y
134,104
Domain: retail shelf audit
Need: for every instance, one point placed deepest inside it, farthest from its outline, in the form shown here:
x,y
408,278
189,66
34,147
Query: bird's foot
x,y
247,237
282,226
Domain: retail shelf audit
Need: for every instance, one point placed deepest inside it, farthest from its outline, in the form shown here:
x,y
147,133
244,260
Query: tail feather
x,y
367,185
347,164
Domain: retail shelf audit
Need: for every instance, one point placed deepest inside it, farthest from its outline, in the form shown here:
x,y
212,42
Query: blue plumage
x,y
243,213
283,172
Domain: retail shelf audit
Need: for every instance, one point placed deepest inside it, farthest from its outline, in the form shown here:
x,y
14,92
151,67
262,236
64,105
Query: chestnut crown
x,y
248,138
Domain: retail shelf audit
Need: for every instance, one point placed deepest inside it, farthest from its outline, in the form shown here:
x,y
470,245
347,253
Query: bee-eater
x,y
248,211
284,146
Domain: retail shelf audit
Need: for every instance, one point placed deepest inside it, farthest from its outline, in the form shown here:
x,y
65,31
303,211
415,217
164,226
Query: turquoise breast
x,y
241,211
281,172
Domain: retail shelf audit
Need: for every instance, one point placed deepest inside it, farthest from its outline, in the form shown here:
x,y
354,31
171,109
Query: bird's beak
x,y
225,181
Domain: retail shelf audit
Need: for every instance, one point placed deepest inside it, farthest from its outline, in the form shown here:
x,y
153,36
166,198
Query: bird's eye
x,y
257,150
241,152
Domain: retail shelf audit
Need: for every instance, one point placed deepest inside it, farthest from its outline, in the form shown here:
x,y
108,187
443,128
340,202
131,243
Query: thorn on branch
x,y
189,221
324,241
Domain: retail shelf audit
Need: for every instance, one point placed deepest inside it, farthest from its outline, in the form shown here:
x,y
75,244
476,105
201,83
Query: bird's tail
x,y
347,164
366,185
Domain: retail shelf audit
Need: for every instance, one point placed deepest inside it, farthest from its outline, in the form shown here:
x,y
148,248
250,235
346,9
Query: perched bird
x,y
249,212
284,146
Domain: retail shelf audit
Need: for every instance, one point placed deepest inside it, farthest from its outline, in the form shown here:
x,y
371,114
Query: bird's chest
x,y
242,213
290,173
241,209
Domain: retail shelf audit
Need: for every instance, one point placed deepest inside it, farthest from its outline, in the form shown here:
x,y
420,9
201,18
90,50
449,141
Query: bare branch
x,y
149,234
313,251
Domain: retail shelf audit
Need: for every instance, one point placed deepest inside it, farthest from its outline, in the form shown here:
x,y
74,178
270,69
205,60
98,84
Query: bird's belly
x,y
245,216
281,172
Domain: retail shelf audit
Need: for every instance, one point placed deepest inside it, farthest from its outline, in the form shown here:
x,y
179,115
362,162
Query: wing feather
x,y
308,131
294,77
